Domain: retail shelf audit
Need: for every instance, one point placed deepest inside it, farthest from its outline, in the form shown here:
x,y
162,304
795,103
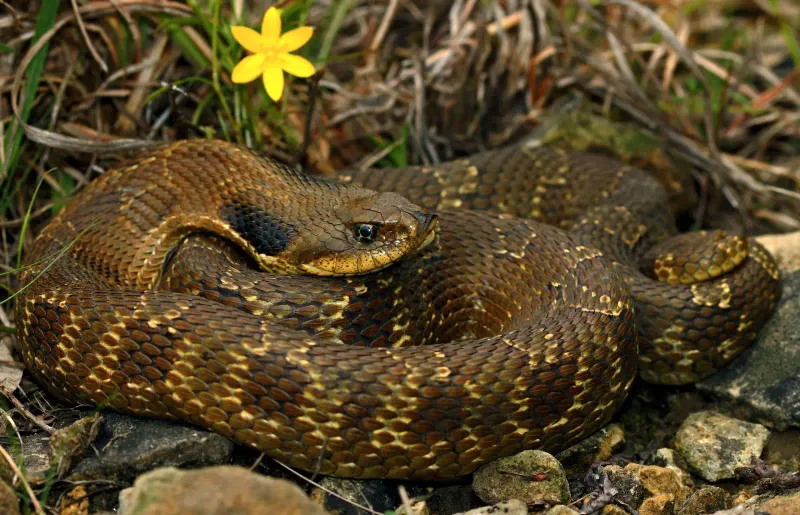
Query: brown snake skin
x,y
534,325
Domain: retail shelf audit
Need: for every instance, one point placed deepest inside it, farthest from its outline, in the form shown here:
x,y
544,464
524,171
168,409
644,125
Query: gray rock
x,y
763,384
36,456
771,504
512,507
530,476
214,490
129,446
628,485
715,445
705,500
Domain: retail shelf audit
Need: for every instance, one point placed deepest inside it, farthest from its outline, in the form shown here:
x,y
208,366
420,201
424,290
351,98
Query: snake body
x,y
208,284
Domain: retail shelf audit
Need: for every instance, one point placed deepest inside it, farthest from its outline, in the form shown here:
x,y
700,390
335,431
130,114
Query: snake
x,y
413,322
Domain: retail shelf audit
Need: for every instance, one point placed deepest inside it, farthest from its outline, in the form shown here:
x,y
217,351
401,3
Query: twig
x,y
27,414
86,39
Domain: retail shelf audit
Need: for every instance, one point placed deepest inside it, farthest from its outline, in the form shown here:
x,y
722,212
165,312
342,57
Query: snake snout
x,y
426,227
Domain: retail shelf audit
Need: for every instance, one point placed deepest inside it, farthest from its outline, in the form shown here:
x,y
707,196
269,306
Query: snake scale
x,y
489,305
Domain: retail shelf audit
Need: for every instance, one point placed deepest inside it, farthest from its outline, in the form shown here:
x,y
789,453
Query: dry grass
x,y
400,82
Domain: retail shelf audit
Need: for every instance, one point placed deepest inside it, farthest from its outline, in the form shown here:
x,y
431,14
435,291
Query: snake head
x,y
347,231
369,233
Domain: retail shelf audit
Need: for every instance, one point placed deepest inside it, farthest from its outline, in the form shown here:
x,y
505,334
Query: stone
x,y
214,490
763,384
661,504
561,510
9,503
598,447
530,476
130,446
772,504
36,457
660,480
630,488
715,445
512,507
670,459
705,500
414,508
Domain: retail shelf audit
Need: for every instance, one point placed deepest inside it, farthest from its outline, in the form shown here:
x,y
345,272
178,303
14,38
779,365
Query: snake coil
x,y
208,284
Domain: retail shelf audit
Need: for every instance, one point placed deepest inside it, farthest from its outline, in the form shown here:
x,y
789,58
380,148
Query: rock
x,y
785,248
74,502
212,491
630,488
763,384
415,508
561,510
661,504
512,507
598,447
670,459
130,446
715,445
348,494
530,476
9,503
705,500
785,504
36,457
610,509
660,480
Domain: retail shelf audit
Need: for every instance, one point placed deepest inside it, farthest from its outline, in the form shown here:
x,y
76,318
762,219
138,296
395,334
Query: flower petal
x,y
273,82
248,69
250,39
296,65
271,26
294,39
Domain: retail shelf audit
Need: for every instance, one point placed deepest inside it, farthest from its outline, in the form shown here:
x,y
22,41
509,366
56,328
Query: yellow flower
x,y
271,55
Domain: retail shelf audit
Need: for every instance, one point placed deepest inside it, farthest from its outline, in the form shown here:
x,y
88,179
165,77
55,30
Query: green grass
x,y
13,141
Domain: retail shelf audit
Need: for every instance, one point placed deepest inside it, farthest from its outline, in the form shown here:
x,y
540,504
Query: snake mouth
x,y
427,228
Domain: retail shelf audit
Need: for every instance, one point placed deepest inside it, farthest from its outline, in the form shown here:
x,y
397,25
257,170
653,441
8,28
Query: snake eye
x,y
366,233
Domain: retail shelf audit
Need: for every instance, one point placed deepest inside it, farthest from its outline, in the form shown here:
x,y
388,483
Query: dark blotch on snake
x,y
268,235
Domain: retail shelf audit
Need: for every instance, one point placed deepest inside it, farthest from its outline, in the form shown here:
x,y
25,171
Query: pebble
x,y
715,445
512,507
630,488
661,504
784,504
707,499
213,491
530,476
130,446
